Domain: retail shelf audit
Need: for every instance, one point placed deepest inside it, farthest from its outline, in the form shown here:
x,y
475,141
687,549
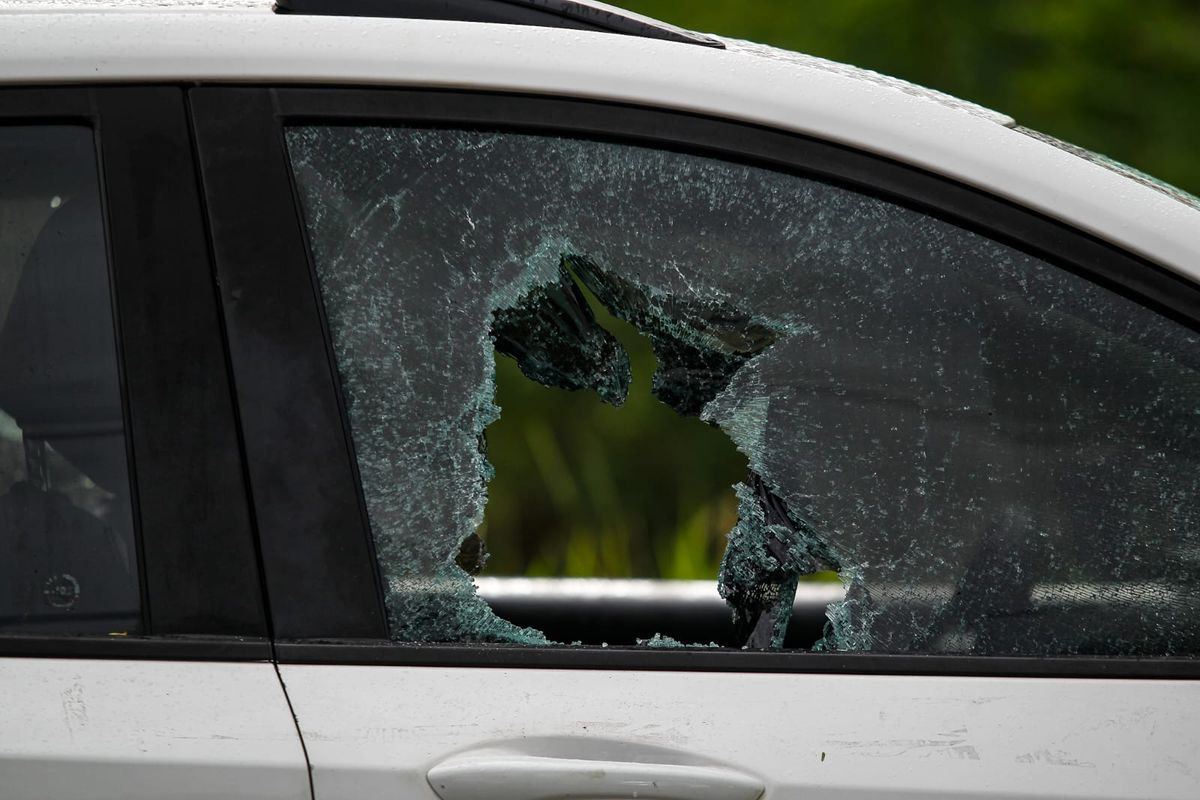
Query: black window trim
x,y
350,627
690,659
191,513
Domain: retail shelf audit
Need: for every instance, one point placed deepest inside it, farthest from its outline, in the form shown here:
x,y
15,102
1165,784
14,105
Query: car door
x,y
982,421
135,659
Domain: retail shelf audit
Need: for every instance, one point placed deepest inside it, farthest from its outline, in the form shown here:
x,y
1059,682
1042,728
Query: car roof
x,y
243,41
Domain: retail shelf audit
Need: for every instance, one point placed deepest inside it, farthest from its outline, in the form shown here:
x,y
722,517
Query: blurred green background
x,y
583,489
1121,77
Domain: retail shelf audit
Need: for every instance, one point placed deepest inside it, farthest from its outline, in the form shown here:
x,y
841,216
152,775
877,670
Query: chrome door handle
x,y
505,776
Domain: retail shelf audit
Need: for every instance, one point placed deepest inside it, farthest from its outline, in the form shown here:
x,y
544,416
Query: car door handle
x,y
503,776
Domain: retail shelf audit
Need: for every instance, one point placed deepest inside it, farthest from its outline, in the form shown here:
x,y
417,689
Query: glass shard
x,y
555,340
768,551
664,642
699,344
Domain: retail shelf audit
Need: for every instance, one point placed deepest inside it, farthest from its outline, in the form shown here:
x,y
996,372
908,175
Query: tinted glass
x,y
995,455
70,560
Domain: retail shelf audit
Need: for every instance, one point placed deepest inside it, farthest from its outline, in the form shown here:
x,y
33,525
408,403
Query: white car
x,y
256,266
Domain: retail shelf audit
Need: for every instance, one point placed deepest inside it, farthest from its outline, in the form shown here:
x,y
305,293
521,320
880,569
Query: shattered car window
x,y
996,455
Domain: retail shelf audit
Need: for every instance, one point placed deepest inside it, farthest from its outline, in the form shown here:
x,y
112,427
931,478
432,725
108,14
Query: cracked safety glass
x,y
994,455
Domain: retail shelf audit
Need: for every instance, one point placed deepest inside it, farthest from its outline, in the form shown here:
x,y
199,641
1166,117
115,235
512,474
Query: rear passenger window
x,y
70,562
994,455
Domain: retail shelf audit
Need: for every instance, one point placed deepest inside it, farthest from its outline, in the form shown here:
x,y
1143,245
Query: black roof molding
x,y
584,15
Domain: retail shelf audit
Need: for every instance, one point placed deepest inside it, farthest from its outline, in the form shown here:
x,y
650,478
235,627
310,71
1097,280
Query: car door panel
x,y
380,717
82,729
379,730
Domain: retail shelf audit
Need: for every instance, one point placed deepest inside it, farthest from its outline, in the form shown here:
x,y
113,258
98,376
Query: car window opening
x,y
579,525
71,562
932,414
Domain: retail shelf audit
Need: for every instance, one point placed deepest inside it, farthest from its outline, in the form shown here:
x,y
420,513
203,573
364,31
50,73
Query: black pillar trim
x,y
319,560
201,569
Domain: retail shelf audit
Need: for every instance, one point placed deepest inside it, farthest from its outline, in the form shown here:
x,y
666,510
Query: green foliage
x,y
1115,76
585,489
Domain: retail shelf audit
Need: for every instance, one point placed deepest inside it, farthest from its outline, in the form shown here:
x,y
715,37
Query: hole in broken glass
x,y
560,335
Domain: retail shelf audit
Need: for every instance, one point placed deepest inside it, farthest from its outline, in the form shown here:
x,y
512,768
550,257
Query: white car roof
x,y
242,41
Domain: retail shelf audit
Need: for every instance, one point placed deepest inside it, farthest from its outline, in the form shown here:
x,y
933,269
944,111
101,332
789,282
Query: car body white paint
x,y
79,729
377,731
241,41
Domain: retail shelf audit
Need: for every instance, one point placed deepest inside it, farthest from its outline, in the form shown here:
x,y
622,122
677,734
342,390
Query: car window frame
x,y
330,610
201,596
